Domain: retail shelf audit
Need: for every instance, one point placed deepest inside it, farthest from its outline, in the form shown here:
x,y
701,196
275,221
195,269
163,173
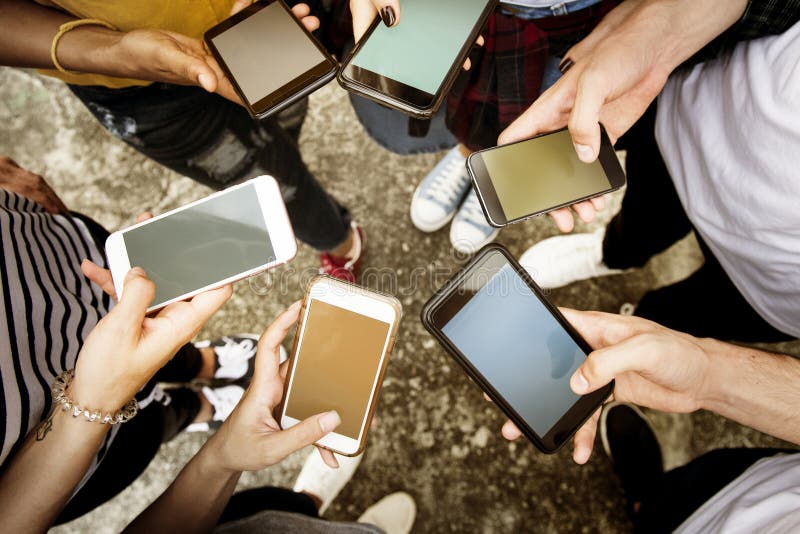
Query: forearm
x,y
43,474
194,501
755,388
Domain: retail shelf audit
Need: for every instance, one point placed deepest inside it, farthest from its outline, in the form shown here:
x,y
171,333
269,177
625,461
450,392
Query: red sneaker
x,y
344,268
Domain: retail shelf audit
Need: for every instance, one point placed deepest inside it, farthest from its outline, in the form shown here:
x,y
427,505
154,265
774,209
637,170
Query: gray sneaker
x,y
470,230
439,194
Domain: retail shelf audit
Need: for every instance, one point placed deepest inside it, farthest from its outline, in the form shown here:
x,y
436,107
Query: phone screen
x,y
202,245
541,173
513,340
336,365
266,51
420,50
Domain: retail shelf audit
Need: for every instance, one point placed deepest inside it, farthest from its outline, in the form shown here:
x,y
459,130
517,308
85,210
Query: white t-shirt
x,y
764,499
729,131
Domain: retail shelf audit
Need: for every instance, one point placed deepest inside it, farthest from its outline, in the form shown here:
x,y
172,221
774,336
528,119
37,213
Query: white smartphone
x,y
220,239
341,351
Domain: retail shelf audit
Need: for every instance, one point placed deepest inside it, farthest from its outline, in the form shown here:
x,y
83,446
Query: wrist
x,y
212,458
93,396
90,49
715,395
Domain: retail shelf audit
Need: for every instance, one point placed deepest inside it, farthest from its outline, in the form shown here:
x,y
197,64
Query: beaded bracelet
x,y
64,28
61,398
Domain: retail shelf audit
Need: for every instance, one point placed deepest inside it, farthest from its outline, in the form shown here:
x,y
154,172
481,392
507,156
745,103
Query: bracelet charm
x,y
61,398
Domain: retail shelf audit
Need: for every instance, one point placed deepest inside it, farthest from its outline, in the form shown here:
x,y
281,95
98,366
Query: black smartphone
x,y
271,59
528,178
495,322
412,66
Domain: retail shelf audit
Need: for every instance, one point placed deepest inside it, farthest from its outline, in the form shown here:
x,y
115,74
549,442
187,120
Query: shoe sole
x,y
604,414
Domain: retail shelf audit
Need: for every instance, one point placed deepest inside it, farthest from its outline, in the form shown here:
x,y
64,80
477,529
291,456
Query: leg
x,y
708,304
215,142
652,217
250,502
683,490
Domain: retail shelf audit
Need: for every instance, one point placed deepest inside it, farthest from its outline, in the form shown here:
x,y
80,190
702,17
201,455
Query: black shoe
x,y
631,443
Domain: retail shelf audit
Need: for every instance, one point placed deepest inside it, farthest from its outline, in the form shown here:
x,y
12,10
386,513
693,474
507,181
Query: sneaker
x,y
470,230
439,194
224,400
235,356
631,443
394,513
564,259
324,482
341,267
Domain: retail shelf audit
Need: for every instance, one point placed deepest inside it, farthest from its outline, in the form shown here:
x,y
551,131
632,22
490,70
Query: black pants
x,y
652,218
217,143
250,502
680,492
138,440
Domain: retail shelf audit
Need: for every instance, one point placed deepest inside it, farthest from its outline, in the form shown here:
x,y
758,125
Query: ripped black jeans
x,y
216,142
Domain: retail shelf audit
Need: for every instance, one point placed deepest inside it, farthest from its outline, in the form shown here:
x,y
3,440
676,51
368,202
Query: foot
x,y
223,401
440,193
565,259
234,356
345,267
470,230
631,443
394,513
322,482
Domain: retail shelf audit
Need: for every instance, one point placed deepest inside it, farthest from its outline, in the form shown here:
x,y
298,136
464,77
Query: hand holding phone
x,y
341,351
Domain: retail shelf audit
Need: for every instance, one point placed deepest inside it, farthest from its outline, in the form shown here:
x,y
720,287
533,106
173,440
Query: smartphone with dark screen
x,y
271,59
521,180
495,322
412,66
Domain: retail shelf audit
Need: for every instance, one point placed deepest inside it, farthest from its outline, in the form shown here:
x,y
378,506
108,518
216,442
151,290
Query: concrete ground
x,y
435,436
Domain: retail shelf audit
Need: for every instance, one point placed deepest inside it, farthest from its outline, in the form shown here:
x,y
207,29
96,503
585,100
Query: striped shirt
x,y
48,309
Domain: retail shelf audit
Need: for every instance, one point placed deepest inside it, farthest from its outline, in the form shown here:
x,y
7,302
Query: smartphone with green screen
x,y
521,180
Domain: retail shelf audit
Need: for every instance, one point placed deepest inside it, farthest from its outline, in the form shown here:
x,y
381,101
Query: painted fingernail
x,y
565,65
579,383
329,421
388,16
585,153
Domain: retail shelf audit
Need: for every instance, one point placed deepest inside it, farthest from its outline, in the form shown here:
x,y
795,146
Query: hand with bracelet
x,y
121,354
91,46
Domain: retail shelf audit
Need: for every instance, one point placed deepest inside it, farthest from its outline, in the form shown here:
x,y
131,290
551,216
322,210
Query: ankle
x,y
346,249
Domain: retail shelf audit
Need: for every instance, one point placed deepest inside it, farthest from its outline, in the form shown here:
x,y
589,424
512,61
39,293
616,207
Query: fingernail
x,y
388,16
137,271
579,383
203,80
295,306
565,65
585,153
329,421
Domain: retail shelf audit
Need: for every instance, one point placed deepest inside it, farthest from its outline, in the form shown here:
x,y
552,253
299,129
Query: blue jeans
x,y
215,142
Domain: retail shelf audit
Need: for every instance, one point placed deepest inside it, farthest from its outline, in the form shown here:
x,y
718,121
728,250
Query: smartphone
x,y
521,180
496,323
271,59
225,237
412,66
344,337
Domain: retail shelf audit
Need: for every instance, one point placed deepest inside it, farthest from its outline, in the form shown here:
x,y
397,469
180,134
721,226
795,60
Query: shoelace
x,y
224,400
449,184
233,357
472,212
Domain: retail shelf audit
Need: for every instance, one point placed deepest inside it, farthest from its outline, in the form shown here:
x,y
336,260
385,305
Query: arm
x,y
674,372
55,457
249,440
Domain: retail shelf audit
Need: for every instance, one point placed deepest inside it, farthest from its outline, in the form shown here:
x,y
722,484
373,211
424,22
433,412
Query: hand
x,y
251,439
364,12
617,72
126,348
31,186
653,367
165,56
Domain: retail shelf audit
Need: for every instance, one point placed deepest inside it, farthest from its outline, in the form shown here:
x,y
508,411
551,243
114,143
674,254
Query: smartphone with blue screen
x,y
495,322
411,66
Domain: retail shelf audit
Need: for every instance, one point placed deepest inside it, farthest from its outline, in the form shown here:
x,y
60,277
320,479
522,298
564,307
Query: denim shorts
x,y
520,10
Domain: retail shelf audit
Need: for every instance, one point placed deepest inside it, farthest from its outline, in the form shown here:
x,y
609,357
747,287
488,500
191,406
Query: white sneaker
x,y
325,483
439,194
562,260
395,513
235,355
470,230
224,400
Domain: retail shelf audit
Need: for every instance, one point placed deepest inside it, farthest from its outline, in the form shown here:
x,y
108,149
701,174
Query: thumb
x,y
304,433
268,355
191,69
239,5
584,121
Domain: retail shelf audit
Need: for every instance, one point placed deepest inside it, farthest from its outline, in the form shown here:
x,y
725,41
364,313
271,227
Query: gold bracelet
x,y
64,28
61,398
